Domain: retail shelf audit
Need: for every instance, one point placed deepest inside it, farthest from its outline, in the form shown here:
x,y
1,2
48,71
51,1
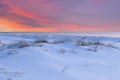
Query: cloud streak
x,y
5,12
60,15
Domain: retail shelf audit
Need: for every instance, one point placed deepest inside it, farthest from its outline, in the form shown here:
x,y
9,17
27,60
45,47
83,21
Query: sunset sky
x,y
59,15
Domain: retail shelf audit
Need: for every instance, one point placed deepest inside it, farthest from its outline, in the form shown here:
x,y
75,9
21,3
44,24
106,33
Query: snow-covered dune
x,y
43,56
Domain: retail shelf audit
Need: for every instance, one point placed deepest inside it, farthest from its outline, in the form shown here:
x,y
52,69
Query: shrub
x,y
59,41
82,43
12,46
2,46
40,41
97,43
19,44
22,44
93,48
37,44
85,43
0,42
111,45
64,69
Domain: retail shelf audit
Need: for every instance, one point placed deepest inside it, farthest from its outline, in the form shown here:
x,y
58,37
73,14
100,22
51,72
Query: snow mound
x,y
27,56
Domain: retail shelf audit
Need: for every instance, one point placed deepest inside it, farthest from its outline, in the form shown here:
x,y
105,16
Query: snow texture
x,y
55,56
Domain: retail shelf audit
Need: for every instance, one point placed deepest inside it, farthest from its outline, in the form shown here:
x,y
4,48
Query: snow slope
x,y
58,57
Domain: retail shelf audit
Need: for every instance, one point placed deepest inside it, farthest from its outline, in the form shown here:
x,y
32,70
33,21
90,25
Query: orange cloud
x,y
14,18
8,26
60,27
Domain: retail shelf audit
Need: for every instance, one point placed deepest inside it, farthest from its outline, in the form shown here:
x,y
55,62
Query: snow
x,y
63,57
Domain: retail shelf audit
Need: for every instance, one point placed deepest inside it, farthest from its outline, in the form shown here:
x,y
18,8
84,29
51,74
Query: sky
x,y
59,15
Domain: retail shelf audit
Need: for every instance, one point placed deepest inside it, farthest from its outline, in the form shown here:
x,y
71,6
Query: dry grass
x,y
40,41
86,43
111,45
22,44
